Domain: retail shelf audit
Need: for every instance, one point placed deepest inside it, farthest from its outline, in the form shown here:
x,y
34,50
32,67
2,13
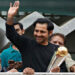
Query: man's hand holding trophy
x,y
58,58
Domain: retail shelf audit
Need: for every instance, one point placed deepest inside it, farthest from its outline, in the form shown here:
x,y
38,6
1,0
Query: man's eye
x,y
61,43
55,42
42,31
17,29
36,30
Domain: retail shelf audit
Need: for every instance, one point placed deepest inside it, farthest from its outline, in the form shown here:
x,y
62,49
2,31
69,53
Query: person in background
x,y
59,39
11,57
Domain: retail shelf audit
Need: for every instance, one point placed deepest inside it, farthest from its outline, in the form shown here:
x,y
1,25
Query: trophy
x,y
58,58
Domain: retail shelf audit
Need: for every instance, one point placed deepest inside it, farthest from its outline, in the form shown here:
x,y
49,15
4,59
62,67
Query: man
x,y
59,39
35,54
11,57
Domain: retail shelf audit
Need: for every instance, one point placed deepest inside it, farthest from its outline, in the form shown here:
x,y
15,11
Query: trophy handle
x,y
51,62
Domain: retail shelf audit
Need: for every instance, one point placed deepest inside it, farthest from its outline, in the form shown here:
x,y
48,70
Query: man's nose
x,y
57,43
39,34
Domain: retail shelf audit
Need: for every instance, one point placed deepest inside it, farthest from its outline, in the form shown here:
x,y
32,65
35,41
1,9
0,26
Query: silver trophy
x,y
58,58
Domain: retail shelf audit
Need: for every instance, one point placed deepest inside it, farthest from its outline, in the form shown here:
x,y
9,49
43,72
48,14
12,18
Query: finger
x,y
16,4
74,68
28,71
56,69
13,70
10,4
24,71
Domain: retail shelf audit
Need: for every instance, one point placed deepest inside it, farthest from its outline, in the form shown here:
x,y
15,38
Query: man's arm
x,y
70,63
12,35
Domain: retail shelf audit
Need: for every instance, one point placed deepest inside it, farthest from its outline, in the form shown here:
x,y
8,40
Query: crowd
x,y
28,55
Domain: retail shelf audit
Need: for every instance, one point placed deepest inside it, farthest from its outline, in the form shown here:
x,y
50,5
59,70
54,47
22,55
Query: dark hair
x,y
21,26
50,25
57,34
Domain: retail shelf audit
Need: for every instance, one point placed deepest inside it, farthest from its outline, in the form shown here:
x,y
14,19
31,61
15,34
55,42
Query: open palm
x,y
13,8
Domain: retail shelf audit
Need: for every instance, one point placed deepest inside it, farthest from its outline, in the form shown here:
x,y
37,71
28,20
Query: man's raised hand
x,y
12,12
13,9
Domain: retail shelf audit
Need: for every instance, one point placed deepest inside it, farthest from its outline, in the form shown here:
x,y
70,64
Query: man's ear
x,y
50,32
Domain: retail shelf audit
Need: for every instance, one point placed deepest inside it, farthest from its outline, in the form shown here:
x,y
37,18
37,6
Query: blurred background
x,y
60,12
